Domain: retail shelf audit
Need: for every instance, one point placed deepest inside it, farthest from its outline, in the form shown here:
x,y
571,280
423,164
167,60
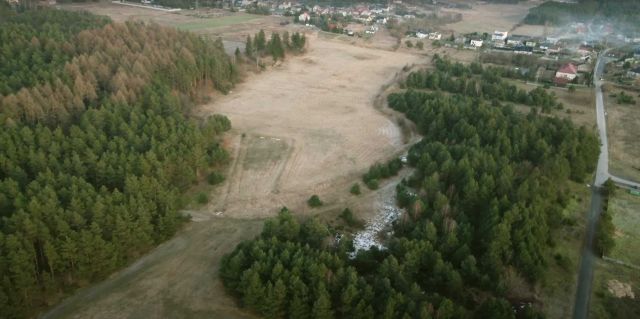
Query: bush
x,y
419,45
409,44
355,189
215,178
314,201
347,216
563,261
202,198
372,183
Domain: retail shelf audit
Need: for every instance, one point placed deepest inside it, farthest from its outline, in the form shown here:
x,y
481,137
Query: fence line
x,y
620,262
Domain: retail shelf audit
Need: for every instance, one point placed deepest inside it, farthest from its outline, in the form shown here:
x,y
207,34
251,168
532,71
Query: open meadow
x,y
307,127
616,292
623,130
489,17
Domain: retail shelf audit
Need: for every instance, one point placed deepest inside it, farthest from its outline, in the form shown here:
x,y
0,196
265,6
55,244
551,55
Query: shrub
x,y
355,189
347,216
409,44
202,198
563,261
372,183
314,201
215,178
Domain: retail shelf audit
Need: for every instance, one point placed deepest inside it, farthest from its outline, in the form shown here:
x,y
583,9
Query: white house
x,y
634,73
421,35
435,36
476,43
304,17
499,35
567,72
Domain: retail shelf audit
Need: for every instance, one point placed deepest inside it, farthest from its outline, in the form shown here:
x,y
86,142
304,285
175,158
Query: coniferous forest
x,y
486,196
97,145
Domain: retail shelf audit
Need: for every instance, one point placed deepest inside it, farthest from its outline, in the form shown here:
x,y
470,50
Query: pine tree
x,y
248,49
299,305
322,306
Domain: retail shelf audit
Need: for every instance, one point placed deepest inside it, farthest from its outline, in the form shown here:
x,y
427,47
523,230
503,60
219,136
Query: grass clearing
x,y
216,22
626,217
557,290
604,304
623,130
579,106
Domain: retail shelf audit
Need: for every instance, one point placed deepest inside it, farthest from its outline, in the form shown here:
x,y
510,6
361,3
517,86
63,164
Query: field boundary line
x,y
146,7
620,262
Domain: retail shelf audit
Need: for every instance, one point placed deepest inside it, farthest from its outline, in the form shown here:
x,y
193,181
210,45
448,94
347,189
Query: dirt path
x,y
309,126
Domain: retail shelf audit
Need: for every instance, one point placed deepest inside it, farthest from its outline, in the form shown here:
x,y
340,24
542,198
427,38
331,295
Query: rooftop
x,y
568,68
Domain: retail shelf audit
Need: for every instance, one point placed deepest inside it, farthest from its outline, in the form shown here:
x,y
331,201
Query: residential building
x,y
567,71
517,40
304,17
523,49
476,43
435,36
499,36
634,73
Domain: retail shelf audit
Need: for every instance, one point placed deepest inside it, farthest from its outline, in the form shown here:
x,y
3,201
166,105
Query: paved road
x,y
602,174
585,276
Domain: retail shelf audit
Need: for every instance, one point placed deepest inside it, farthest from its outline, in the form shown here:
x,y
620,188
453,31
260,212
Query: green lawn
x,y
604,305
217,22
557,289
626,217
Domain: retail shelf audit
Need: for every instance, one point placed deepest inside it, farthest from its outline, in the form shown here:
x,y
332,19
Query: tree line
x,y
276,46
96,152
623,13
485,200
480,82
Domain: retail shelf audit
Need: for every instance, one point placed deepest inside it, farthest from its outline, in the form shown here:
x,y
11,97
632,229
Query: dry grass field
x,y
489,17
623,129
307,127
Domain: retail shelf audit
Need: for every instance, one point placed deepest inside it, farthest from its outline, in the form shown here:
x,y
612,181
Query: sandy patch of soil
x,y
620,289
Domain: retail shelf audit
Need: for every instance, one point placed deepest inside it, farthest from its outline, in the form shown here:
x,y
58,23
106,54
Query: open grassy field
x,y
231,26
178,279
315,116
623,129
613,280
557,290
610,297
217,22
579,106
626,217
489,17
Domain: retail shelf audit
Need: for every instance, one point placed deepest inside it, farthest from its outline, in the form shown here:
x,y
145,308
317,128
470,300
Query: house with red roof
x,y
567,71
